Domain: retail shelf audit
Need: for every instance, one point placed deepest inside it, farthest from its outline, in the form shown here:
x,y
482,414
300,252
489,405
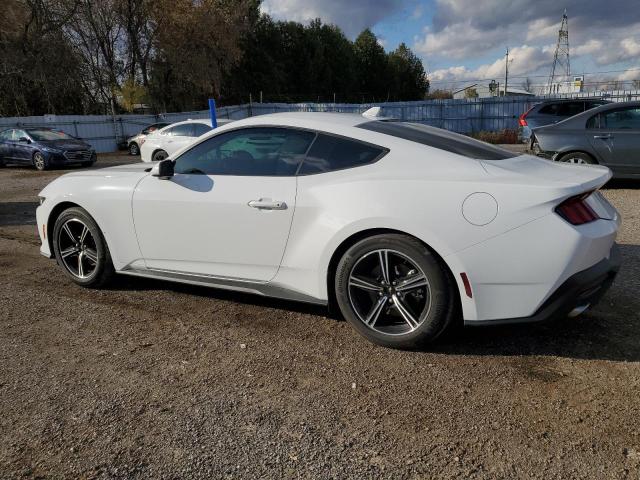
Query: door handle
x,y
266,204
603,137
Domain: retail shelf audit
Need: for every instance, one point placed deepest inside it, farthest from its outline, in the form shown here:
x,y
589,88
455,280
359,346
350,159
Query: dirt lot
x,y
150,379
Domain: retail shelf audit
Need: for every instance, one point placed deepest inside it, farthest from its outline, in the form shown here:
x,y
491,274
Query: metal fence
x,y
106,132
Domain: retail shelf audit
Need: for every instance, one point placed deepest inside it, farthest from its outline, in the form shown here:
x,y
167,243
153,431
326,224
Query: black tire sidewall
x,y
155,155
442,297
104,268
134,146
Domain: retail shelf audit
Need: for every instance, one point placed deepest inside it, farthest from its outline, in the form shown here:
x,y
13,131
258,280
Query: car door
x,y
22,146
178,137
227,211
615,135
6,144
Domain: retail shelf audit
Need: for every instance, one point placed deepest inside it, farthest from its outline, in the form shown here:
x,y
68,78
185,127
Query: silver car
x,y
607,135
553,111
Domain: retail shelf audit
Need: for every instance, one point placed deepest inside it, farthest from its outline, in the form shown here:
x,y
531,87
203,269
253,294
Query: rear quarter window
x,y
440,139
329,153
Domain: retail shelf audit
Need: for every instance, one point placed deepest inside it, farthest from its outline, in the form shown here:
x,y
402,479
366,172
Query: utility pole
x,y
506,73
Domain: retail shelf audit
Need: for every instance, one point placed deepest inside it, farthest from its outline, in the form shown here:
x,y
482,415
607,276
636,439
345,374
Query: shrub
x,y
506,136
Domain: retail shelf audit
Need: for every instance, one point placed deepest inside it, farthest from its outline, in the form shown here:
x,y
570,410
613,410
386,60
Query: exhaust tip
x,y
578,310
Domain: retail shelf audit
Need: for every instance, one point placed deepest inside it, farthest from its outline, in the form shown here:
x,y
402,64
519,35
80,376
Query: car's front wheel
x,y
40,162
80,248
159,156
394,291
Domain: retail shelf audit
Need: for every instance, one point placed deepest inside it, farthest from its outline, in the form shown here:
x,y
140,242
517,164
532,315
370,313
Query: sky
x,y
461,41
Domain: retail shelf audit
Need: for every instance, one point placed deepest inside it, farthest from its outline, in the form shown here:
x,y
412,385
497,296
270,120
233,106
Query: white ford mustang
x,y
406,228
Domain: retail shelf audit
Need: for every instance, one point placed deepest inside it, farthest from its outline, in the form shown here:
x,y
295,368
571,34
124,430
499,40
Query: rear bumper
x,y
579,292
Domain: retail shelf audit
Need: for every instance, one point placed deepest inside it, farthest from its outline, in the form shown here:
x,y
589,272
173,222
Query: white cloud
x,y
352,16
523,60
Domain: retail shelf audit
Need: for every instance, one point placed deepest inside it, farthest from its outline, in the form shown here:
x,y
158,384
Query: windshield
x,y
439,138
45,134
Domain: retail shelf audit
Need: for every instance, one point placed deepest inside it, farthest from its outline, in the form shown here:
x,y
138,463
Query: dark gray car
x,y
553,111
607,135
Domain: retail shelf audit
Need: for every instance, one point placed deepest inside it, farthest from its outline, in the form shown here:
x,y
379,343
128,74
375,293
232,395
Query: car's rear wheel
x,y
578,158
40,162
159,156
133,149
81,250
394,291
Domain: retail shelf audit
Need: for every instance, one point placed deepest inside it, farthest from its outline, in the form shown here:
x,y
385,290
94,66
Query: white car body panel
x,y
249,247
200,228
171,144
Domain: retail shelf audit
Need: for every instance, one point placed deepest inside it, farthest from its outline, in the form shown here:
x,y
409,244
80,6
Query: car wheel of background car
x,y
577,157
81,250
134,149
394,291
2,164
159,156
39,161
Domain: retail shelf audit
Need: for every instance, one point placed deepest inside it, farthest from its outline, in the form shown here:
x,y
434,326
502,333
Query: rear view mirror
x,y
163,170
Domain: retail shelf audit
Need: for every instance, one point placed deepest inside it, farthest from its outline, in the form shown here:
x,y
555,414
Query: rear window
x,y
439,138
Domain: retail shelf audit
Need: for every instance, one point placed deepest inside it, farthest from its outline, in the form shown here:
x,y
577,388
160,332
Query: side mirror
x,y
163,169
24,140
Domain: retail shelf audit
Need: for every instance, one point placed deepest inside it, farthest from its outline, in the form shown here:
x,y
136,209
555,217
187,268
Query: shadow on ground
x,y
611,331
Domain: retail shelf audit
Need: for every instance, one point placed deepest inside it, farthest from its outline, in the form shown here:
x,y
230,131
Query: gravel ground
x,y
151,379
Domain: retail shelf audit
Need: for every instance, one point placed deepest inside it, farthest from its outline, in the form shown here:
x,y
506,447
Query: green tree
x,y
408,75
372,68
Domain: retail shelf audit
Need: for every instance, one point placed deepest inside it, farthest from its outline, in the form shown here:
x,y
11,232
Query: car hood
x,y
65,144
129,170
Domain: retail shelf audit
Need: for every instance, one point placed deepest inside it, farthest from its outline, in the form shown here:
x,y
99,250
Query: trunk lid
x,y
534,171
547,181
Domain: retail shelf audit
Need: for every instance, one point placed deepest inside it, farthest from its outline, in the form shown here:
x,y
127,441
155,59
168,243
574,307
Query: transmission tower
x,y
561,66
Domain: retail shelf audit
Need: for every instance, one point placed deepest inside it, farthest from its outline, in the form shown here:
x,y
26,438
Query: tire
x,y
134,149
87,164
577,158
40,162
411,313
2,164
90,264
159,155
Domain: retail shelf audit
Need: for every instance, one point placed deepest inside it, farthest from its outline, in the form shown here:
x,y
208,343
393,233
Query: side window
x,y
200,129
183,130
262,151
594,122
569,109
624,119
330,153
18,134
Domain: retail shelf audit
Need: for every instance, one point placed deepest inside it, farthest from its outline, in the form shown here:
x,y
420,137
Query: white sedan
x,y
406,228
168,140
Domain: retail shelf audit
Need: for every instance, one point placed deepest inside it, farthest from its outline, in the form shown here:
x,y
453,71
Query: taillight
x,y
576,211
522,120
